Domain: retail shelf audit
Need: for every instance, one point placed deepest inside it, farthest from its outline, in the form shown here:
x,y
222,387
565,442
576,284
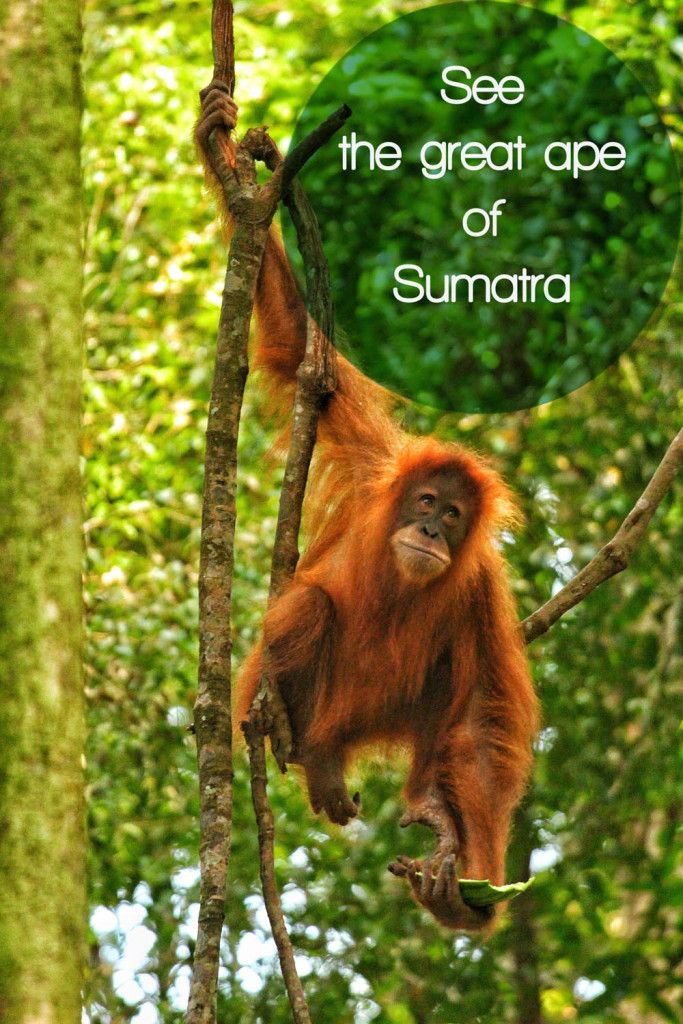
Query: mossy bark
x,y
42,861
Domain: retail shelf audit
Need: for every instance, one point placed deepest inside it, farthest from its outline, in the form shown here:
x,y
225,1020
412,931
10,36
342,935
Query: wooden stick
x,y
252,207
615,556
223,43
212,714
254,731
316,379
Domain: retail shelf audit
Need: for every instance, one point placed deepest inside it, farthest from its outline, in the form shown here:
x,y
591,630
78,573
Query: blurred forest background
x,y
598,938
616,236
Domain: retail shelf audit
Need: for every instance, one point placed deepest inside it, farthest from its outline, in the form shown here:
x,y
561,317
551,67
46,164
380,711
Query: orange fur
x,y
360,653
361,656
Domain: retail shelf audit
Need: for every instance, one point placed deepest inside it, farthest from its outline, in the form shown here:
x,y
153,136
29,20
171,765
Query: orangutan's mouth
x,y
426,551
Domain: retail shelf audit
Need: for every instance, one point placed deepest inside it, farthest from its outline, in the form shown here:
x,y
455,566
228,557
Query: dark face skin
x,y
433,521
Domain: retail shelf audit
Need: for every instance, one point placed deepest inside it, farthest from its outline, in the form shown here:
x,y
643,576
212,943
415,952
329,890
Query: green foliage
x,y
604,802
479,892
614,234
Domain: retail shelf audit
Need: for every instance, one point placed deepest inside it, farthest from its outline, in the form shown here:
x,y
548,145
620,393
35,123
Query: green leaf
x,y
479,892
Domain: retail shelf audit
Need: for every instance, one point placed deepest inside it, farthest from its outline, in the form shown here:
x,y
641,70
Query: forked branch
x,y
252,207
316,379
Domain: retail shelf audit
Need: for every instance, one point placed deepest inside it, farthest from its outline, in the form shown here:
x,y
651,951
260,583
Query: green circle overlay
x,y
614,232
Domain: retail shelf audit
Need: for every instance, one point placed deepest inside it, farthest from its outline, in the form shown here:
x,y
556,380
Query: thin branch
x,y
252,208
615,556
316,379
212,718
223,44
254,732
309,146
212,714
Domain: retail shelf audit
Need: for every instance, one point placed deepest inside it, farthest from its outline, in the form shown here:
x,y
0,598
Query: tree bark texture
x,y
42,844
526,971
252,207
616,555
212,717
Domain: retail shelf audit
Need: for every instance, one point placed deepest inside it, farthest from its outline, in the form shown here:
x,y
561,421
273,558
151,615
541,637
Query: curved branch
x,y
316,379
309,146
254,731
615,556
252,207
212,715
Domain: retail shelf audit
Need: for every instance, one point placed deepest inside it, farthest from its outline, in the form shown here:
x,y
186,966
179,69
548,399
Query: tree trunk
x,y
525,938
42,844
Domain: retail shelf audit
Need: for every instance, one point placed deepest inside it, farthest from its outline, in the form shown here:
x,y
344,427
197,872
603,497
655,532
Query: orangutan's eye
x,y
453,513
426,500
